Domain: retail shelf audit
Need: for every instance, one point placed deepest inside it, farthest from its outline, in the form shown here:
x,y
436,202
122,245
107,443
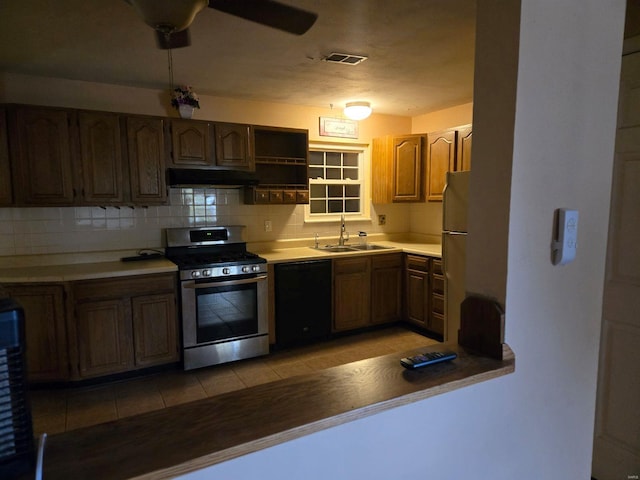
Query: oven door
x,y
222,310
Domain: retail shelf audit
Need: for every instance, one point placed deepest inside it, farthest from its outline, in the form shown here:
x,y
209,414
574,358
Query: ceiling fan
x,y
171,18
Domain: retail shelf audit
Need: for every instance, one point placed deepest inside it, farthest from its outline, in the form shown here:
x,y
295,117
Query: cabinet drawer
x,y
436,265
415,262
437,284
437,304
302,196
390,260
289,196
275,196
437,323
261,196
123,287
350,265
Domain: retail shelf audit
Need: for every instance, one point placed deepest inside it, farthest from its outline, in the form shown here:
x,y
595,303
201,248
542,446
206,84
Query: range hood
x,y
193,177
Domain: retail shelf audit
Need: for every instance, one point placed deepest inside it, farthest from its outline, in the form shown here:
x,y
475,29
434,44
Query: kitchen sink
x,y
369,246
334,248
349,248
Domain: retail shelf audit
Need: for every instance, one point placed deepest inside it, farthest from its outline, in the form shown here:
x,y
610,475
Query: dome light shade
x,y
357,110
170,15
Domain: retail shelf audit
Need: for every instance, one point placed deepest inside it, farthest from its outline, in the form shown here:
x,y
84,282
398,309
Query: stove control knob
x,y
255,268
246,269
195,274
226,271
206,273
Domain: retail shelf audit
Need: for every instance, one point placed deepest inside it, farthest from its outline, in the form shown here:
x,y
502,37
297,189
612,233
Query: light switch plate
x,y
565,243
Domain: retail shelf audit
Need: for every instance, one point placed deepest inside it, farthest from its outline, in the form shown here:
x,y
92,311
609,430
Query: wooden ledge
x,y
181,439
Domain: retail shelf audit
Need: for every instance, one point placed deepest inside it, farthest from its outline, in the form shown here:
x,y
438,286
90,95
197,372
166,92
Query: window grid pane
x,y
334,185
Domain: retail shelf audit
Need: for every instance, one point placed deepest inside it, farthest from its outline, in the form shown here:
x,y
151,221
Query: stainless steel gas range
x,y
223,295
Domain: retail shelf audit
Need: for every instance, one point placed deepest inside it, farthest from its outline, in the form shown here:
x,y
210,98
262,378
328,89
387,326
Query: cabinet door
x,y
101,158
352,293
154,329
407,168
463,149
192,144
6,196
440,160
147,152
41,152
233,147
105,343
417,291
386,288
382,170
46,338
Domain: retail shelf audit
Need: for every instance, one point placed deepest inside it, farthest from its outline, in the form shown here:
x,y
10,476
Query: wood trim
x,y
227,426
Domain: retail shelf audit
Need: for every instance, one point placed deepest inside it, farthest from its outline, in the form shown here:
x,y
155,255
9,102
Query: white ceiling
x,y
420,52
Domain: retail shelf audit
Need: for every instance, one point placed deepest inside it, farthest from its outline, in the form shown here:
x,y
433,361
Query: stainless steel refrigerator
x,y
454,243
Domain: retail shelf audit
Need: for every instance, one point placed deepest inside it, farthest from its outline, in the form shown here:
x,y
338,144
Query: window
x,y
336,183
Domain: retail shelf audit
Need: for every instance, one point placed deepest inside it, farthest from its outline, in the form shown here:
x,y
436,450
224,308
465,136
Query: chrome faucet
x,y
344,236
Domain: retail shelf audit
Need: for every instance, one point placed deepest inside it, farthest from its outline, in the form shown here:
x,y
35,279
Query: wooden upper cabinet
x,y
193,144
441,155
6,197
407,168
147,152
233,146
41,156
397,166
101,158
463,148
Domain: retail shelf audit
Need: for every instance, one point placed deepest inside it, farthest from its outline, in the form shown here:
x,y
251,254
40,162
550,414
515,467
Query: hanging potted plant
x,y
184,99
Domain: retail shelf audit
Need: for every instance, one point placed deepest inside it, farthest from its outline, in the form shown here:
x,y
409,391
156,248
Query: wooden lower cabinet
x,y
424,292
104,338
436,292
155,329
124,324
45,330
351,293
367,290
386,288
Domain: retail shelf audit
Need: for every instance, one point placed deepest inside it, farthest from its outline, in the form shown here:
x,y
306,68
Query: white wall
x,y
536,423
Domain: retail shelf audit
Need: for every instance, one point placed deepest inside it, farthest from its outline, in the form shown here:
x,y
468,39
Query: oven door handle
x,y
257,279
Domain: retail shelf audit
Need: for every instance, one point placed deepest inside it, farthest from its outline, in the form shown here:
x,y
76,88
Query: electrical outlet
x,y
382,219
267,226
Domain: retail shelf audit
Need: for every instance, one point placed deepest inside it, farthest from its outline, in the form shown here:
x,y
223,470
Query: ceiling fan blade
x,y
268,12
173,40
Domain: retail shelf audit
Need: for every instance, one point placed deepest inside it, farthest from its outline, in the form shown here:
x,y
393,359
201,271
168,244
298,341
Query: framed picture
x,y
338,127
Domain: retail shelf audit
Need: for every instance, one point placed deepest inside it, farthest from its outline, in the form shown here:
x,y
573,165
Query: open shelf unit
x,y
281,158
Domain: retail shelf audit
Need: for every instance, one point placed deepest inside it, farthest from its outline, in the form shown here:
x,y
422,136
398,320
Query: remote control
x,y
428,358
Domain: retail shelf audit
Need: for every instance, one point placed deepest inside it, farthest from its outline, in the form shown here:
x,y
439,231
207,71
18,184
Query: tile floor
x,y
60,410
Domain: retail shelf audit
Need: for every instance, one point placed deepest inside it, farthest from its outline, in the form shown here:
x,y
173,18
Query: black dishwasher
x,y
303,301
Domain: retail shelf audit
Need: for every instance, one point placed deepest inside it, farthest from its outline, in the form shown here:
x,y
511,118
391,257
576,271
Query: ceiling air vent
x,y
345,58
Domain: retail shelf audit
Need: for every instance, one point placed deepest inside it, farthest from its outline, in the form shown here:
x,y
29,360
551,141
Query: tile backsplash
x,y
28,231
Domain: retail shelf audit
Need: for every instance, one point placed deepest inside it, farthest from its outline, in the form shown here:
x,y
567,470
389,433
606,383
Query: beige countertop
x,y
73,267
93,265
300,251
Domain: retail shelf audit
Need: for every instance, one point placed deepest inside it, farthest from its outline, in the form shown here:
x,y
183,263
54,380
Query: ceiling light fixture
x,y
357,110
168,16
